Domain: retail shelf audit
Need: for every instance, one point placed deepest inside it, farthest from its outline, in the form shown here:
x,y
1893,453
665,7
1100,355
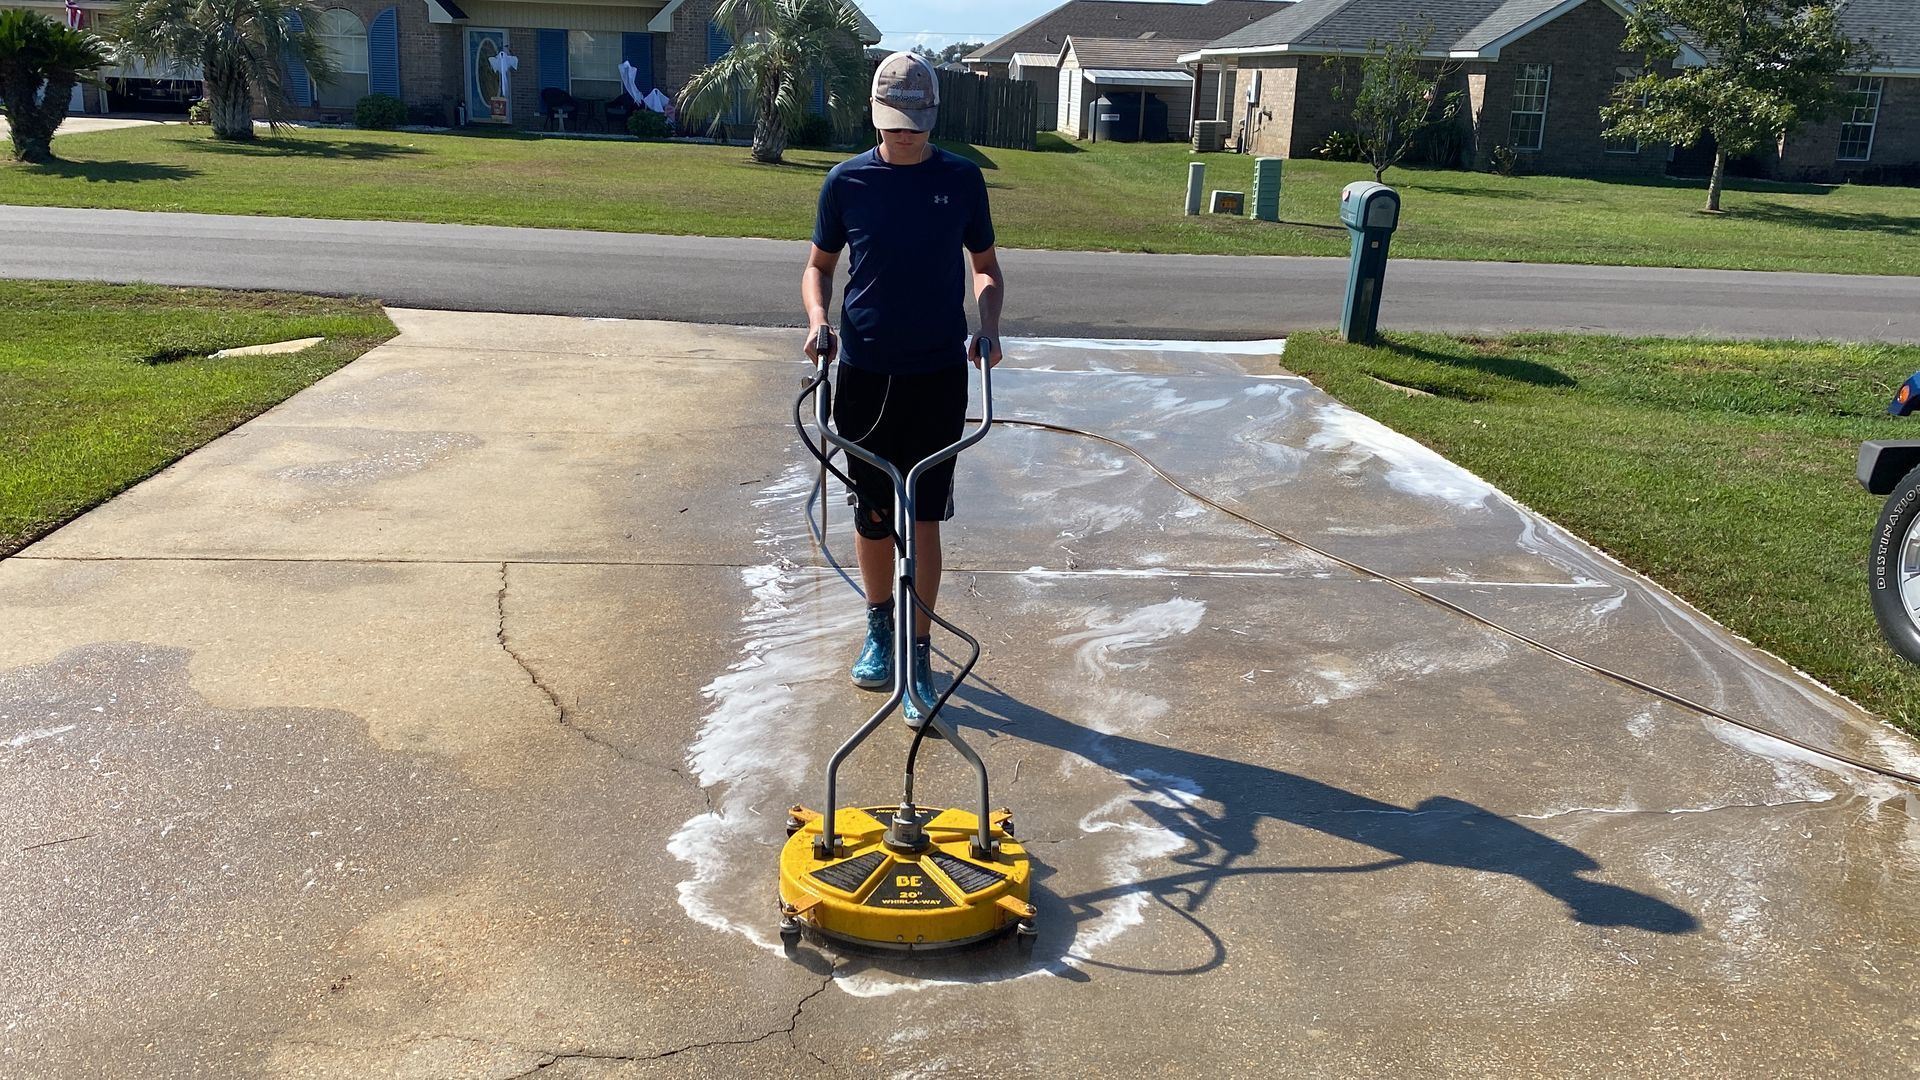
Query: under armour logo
x,y
940,200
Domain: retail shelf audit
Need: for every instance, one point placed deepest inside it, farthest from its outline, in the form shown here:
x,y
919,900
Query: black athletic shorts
x,y
903,419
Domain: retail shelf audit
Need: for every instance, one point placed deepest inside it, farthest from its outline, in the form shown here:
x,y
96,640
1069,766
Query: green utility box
x,y
1370,212
1266,188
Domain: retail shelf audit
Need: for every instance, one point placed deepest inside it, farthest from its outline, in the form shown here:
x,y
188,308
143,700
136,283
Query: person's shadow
x,y
1439,831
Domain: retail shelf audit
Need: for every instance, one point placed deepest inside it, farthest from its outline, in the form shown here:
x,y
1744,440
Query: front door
x,y
487,101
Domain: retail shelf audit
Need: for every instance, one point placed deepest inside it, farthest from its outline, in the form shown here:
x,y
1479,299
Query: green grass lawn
x,y
1723,471
1124,197
102,386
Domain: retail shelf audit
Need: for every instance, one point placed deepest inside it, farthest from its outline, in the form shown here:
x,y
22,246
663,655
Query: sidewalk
x,y
441,722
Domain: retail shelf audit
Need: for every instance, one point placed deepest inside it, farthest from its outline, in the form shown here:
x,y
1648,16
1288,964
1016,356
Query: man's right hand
x,y
814,336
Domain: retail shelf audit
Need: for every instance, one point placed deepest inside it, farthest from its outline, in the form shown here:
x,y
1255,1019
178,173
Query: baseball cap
x,y
906,93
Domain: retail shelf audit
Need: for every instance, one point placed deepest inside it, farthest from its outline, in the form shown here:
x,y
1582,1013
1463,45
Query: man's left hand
x,y
973,350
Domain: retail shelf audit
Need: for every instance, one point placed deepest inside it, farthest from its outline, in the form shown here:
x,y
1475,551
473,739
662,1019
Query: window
x,y
1862,112
345,36
1529,124
1621,77
593,65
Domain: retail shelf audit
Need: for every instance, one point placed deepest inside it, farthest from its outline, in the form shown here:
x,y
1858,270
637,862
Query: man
x,y
905,208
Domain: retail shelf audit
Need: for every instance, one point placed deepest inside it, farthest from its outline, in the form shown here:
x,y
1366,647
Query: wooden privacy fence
x,y
987,112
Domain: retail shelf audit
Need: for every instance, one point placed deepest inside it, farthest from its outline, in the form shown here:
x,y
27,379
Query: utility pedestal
x,y
1370,212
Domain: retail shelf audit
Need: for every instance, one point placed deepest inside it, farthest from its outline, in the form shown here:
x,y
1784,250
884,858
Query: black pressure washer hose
x,y
1363,570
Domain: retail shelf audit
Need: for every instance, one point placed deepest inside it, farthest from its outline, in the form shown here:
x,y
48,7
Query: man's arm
x,y
816,294
989,289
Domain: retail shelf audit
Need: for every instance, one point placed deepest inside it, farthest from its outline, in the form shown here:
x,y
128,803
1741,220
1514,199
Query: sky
x,y
938,23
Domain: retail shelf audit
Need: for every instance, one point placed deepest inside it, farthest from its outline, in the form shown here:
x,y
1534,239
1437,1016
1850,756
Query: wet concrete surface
x,y
442,721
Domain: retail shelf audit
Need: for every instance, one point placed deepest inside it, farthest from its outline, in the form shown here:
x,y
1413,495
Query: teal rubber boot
x,y
922,676
873,669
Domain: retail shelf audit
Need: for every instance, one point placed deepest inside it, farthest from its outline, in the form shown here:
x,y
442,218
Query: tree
x,y
40,63
782,49
1398,97
947,55
1770,66
242,47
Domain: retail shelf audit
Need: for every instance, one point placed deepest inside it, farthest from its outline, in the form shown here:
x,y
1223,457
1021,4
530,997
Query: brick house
x,y
1875,132
1534,74
1033,52
433,54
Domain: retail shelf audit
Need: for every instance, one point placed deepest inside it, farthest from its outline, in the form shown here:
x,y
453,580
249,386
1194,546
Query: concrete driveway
x,y
441,723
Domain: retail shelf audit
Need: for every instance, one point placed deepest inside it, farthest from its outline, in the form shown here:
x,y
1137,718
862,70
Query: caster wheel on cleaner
x,y
1893,568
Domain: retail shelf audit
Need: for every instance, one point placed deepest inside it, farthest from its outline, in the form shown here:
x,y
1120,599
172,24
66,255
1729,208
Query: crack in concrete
x,y
548,1060
559,708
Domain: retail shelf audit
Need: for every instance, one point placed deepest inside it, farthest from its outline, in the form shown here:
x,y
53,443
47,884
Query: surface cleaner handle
x,y
823,347
983,349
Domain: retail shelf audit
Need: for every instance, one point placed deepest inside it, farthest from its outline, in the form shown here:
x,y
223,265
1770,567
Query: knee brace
x,y
864,524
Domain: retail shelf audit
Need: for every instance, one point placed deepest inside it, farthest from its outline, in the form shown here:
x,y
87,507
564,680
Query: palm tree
x,y
40,62
241,46
782,48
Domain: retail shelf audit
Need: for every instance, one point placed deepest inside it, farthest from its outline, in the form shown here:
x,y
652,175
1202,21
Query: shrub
x,y
1504,160
379,112
1904,175
1440,146
1340,146
647,124
197,112
813,133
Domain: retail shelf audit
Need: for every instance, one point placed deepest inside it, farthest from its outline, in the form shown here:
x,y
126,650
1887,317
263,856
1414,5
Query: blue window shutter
x,y
718,44
637,49
383,53
299,87
551,49
819,97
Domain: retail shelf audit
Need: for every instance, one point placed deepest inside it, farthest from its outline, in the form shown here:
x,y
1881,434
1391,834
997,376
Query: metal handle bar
x,y
824,346
902,688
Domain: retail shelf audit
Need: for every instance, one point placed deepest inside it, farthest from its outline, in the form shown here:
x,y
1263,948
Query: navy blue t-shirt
x,y
905,308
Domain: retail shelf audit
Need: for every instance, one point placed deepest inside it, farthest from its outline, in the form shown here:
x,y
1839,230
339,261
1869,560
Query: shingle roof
x,y
1152,54
1126,18
1510,16
1891,27
1355,24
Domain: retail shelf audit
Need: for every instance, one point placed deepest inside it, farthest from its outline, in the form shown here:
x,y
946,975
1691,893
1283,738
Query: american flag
x,y
73,14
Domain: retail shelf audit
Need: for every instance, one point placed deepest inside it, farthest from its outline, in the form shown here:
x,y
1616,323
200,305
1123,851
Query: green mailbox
x,y
1370,212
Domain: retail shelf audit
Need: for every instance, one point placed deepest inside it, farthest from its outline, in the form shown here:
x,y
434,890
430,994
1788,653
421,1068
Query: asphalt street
x,y
756,282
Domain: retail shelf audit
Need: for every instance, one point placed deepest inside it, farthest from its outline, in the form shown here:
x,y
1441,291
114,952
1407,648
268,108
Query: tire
x,y
1893,568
